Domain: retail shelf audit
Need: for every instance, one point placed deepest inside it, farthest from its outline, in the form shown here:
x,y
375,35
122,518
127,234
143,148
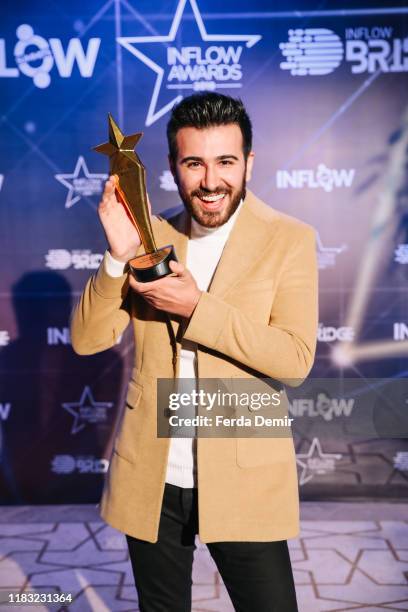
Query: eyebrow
x,y
200,159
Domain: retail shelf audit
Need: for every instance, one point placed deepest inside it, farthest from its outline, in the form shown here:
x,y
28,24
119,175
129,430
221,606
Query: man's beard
x,y
208,218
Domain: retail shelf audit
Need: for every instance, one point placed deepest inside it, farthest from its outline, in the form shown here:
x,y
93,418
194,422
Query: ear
x,y
249,165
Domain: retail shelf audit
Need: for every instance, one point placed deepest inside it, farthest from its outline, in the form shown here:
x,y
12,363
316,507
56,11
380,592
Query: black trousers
x,y
257,575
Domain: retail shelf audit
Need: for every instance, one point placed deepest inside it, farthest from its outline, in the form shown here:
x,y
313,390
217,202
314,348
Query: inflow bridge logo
x,y
319,51
214,63
311,51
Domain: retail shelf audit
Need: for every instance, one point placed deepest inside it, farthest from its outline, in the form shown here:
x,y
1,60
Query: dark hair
x,y
205,110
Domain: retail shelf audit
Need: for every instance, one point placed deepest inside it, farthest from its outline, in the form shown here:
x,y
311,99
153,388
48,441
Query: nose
x,y
210,179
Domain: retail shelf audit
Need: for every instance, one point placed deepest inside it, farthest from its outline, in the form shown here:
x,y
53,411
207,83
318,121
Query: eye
x,y
226,162
193,164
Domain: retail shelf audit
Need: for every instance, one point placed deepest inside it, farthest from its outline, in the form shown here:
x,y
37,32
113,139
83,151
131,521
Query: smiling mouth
x,y
211,201
212,198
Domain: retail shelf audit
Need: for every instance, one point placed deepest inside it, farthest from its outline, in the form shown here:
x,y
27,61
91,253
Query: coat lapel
x,y
245,245
176,232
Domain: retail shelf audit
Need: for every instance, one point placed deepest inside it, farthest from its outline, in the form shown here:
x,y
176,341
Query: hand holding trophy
x,y
130,184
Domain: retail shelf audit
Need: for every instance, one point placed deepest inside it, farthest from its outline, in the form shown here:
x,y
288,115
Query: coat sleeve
x,y
102,313
284,349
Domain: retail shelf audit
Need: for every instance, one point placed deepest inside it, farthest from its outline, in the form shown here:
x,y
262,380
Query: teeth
x,y
213,198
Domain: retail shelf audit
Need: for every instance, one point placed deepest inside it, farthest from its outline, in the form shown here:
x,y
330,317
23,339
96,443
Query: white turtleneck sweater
x,y
203,254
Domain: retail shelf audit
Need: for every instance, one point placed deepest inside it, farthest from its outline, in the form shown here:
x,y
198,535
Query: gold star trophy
x,y
130,174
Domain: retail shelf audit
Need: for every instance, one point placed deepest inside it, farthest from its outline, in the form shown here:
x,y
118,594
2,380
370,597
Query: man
x,y
240,304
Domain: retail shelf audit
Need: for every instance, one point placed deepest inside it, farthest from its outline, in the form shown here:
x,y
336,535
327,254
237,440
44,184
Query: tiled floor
x,y
349,557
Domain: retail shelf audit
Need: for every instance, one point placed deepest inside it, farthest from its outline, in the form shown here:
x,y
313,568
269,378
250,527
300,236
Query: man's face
x,y
211,172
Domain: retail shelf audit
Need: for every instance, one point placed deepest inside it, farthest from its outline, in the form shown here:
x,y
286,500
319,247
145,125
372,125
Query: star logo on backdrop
x,y
315,462
199,76
81,183
87,411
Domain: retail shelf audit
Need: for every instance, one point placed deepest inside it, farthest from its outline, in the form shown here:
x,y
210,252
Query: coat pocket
x,y
125,443
134,394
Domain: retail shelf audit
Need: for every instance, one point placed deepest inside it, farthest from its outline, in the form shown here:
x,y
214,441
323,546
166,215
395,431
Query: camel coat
x,y
258,318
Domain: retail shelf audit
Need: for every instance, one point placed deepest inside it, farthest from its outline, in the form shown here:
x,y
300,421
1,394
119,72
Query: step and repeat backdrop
x,y
327,90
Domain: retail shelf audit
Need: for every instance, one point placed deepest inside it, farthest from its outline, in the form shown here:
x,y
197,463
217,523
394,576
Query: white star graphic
x,y
315,451
86,401
68,181
128,43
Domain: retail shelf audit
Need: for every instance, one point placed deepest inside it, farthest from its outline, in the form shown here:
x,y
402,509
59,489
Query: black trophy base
x,y
152,266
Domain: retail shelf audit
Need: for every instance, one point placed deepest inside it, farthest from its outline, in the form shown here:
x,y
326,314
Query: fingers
x,y
177,268
154,286
110,185
142,288
159,288
109,197
153,289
